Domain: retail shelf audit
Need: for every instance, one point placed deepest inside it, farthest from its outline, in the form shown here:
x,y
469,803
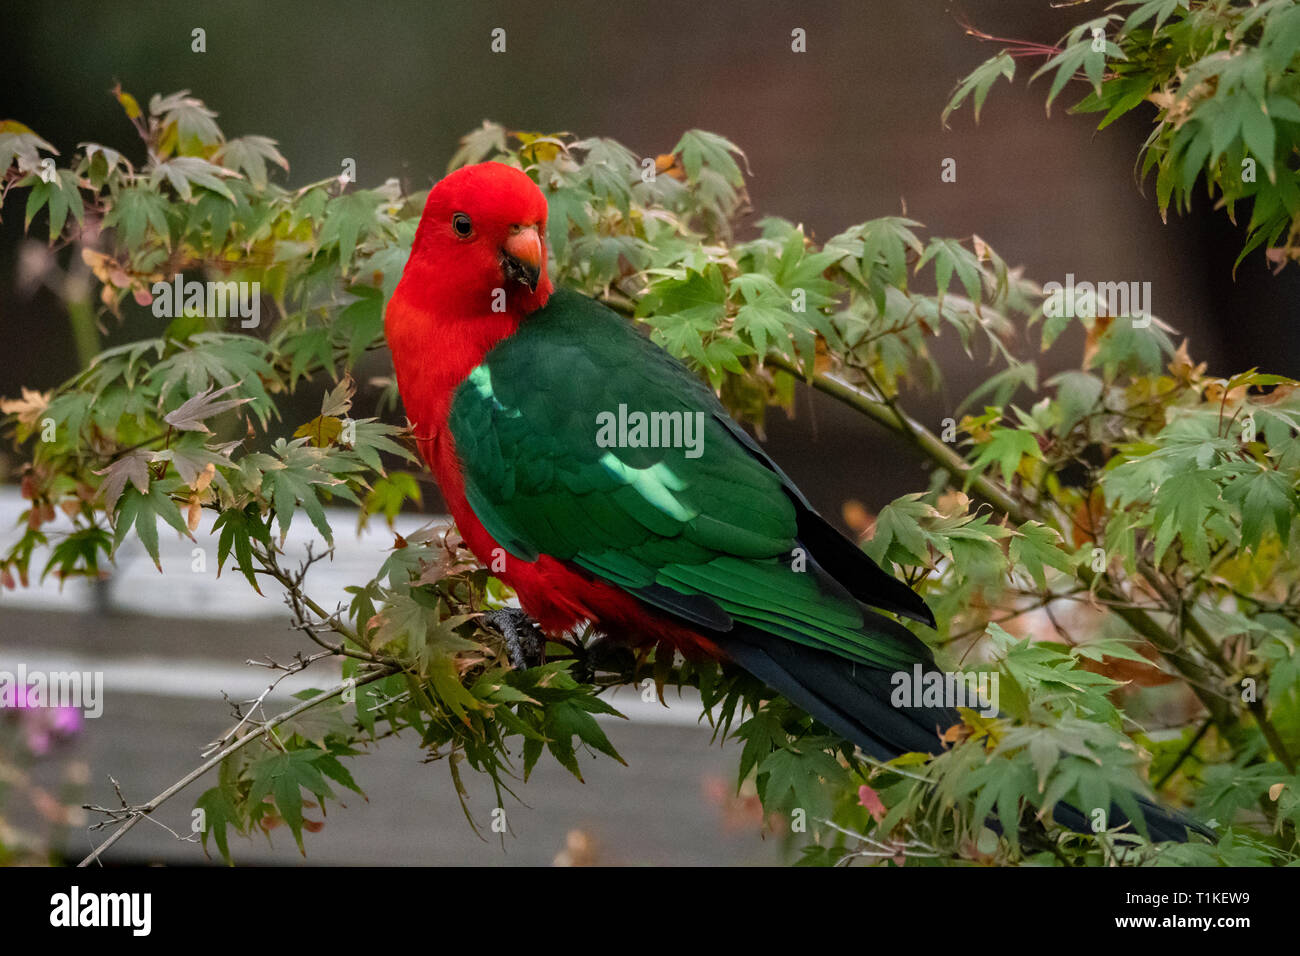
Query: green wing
x,y
707,531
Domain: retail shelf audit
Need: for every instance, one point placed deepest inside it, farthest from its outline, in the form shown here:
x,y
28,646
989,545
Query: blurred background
x,y
847,131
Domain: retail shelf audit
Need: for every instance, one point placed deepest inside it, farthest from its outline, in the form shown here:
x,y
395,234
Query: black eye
x,y
461,225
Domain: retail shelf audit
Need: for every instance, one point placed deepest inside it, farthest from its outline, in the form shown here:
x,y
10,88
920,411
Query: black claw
x,y
524,643
583,669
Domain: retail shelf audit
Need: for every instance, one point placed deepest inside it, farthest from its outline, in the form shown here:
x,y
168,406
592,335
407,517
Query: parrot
x,y
608,487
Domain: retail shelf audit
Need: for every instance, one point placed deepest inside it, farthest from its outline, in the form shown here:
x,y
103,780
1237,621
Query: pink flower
x,y
44,726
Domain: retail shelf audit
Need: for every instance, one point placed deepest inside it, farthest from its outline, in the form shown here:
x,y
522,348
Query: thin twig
x,y
299,664
137,813
1186,752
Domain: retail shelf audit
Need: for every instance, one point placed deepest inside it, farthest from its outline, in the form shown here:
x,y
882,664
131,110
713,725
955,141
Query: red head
x,y
482,236
477,269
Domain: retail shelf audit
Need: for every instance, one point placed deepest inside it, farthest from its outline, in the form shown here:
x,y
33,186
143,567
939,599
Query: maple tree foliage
x,y
1224,82
1118,544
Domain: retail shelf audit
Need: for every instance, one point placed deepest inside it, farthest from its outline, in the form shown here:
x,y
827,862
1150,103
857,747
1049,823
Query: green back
x,y
708,534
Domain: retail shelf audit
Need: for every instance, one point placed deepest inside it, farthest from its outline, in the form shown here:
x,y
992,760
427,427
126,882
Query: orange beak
x,y
523,254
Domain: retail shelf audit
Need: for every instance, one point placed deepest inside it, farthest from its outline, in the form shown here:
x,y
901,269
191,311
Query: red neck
x,y
440,326
433,353
437,335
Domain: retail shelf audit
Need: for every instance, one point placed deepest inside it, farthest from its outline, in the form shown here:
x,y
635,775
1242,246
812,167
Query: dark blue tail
x,y
854,701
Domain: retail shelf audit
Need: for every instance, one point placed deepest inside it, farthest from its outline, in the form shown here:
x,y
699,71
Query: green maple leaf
x,y
1182,504
1005,448
239,528
349,219
134,211
143,511
568,719
220,814
1036,546
978,82
1265,498
250,155
283,777
699,149
899,536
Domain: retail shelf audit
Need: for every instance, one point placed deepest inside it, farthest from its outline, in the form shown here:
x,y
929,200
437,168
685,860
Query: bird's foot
x,y
583,668
524,642
602,655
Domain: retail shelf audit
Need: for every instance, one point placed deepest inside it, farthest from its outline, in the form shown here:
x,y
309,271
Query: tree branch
x,y
140,812
893,417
